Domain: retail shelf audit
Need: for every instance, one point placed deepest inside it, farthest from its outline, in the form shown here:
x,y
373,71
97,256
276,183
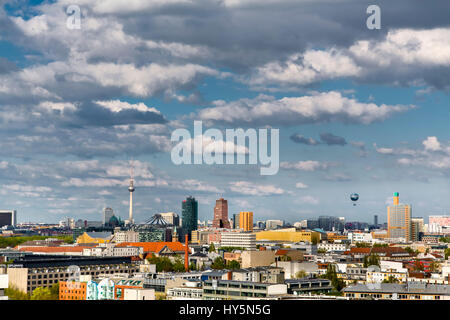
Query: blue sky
x,y
358,110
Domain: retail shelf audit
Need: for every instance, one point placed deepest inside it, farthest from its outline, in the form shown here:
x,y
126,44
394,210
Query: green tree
x,y
163,264
418,266
212,248
192,266
218,263
15,294
233,265
42,293
321,251
447,253
391,279
178,265
54,290
331,274
300,274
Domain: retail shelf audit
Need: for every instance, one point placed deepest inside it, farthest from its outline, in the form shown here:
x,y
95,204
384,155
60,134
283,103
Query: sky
x,y
358,110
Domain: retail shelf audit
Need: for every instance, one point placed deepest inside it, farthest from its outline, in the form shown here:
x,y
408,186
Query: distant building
x,y
246,221
288,235
171,218
221,214
190,215
240,290
245,240
274,224
107,214
417,227
395,291
399,220
439,224
236,218
8,218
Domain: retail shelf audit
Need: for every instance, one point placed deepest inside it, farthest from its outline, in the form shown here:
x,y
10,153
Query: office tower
x,y
399,220
171,218
246,221
274,224
221,214
107,214
417,227
375,220
328,223
189,209
8,218
236,218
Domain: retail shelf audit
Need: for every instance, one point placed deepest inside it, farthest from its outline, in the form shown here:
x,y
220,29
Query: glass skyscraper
x,y
189,209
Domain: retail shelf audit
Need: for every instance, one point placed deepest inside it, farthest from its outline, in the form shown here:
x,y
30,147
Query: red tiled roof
x,y
281,252
53,249
154,246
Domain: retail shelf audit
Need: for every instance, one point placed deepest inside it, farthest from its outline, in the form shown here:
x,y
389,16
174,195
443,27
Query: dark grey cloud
x,y
331,139
298,138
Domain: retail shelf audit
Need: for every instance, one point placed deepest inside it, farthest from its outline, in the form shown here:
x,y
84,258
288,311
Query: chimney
x,y
186,253
230,275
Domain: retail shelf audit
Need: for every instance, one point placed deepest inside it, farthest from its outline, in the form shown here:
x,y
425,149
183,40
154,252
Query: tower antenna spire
x,y
131,190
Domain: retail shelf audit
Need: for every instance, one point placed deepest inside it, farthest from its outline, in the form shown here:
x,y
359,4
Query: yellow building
x,y
94,237
399,220
246,221
288,235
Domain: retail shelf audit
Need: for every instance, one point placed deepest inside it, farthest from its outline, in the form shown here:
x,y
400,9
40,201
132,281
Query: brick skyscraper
x,y
221,214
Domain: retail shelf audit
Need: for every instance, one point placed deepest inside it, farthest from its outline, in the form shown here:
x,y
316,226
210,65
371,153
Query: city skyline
x,y
358,110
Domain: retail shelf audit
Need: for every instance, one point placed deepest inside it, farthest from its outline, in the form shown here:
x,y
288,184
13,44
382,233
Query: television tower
x,y
131,190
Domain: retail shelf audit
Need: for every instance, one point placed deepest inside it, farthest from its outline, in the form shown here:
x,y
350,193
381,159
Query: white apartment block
x,y
246,240
332,247
126,236
359,237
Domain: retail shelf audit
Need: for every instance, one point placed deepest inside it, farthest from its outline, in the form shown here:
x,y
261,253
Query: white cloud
x,y
316,108
432,144
249,188
308,165
301,185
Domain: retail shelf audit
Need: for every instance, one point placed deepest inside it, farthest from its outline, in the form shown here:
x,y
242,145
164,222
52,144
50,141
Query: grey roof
x,y
306,280
412,287
101,235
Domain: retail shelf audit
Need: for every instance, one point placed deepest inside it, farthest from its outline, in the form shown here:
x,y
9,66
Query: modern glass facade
x,y
189,215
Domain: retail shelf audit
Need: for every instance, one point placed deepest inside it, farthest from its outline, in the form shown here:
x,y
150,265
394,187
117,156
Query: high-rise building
x,y
399,220
274,224
171,218
417,226
246,220
221,214
236,218
8,218
189,209
107,214
375,220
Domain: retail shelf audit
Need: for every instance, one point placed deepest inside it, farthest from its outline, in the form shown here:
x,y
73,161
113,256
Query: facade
x,y
71,290
417,225
107,214
8,218
236,218
94,237
308,285
189,290
221,214
394,291
288,235
240,290
171,218
274,224
246,221
255,258
439,224
399,220
3,286
259,274
246,240
332,247
28,273
190,215
126,236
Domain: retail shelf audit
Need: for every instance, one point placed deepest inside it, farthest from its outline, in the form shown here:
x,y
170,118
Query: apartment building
x,y
394,291
240,290
246,240
31,272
